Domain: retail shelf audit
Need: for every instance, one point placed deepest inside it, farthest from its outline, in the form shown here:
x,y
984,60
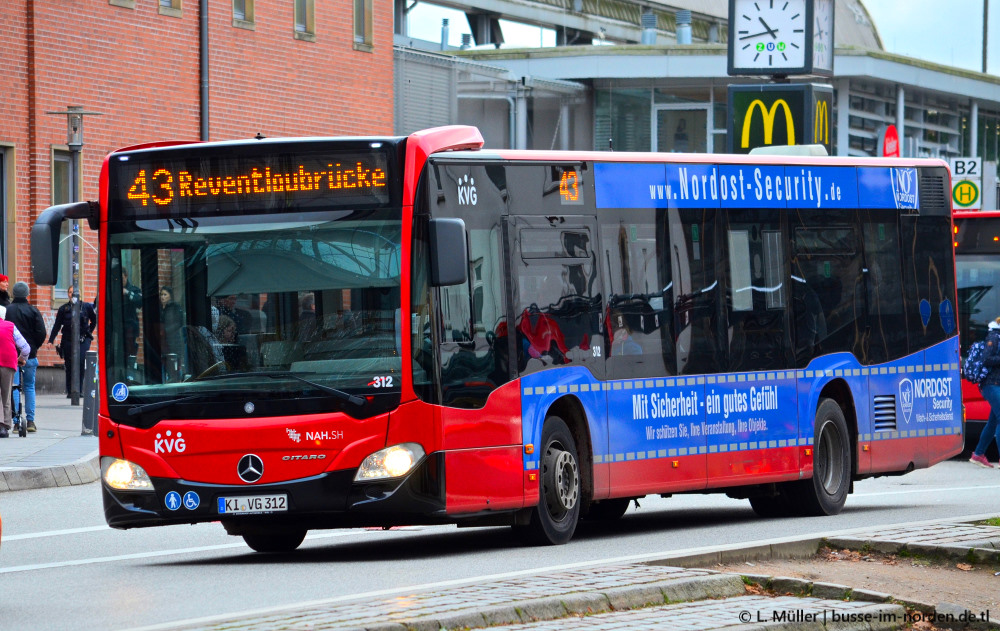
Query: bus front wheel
x,y
553,521
826,492
278,541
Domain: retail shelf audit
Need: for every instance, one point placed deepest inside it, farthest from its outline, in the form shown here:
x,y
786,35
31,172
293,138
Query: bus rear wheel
x,y
278,541
826,493
554,520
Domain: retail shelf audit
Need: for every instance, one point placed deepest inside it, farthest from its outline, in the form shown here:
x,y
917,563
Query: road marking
x,y
149,555
927,490
55,533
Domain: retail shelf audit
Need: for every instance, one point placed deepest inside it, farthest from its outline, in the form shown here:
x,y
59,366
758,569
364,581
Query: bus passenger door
x,y
750,426
558,331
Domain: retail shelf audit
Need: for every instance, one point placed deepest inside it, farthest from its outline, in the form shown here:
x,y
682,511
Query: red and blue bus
x,y
977,265
316,333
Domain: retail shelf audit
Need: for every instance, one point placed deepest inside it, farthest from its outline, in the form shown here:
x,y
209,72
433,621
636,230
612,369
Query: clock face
x,y
823,35
768,36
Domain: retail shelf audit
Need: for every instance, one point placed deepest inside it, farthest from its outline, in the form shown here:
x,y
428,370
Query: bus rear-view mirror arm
x,y
449,252
45,237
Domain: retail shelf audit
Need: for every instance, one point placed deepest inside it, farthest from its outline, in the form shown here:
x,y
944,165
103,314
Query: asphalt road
x,y
75,571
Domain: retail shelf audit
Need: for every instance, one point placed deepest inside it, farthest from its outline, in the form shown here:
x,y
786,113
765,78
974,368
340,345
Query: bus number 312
x,y
381,382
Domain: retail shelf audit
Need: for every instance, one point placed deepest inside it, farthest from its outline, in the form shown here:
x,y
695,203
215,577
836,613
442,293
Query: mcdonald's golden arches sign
x,y
782,114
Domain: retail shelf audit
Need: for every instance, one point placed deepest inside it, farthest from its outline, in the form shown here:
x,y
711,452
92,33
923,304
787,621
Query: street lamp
x,y
74,139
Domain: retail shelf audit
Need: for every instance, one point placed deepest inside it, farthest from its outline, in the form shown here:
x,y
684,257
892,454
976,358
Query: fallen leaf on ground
x,y
965,567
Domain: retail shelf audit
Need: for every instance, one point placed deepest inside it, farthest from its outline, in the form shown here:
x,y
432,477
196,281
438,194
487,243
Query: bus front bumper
x,y
328,500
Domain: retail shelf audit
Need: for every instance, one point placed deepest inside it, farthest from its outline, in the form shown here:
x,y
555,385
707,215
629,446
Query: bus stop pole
x,y
91,400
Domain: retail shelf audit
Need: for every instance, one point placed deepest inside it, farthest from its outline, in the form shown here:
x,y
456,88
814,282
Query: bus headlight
x,y
391,462
123,475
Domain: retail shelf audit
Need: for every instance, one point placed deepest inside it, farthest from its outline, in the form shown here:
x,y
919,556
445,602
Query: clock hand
x,y
770,30
755,35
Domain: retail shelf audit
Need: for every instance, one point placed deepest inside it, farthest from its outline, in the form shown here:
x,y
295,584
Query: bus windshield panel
x,y
289,294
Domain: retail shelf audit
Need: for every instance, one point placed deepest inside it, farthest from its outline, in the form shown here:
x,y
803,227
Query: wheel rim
x,y
828,467
562,481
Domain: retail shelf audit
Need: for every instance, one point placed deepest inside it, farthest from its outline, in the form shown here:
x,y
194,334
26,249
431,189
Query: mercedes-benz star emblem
x,y
248,407
250,468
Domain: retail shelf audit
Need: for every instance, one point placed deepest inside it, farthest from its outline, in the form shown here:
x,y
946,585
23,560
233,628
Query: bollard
x,y
90,398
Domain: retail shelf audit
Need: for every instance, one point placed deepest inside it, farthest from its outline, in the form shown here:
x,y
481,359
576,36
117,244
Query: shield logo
x,y
906,398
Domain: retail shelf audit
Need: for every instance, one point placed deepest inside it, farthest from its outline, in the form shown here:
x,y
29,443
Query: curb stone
x,y
82,471
804,587
583,603
949,551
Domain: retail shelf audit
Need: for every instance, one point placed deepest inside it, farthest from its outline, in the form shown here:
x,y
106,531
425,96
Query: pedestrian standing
x,y
64,322
4,288
14,351
990,387
30,324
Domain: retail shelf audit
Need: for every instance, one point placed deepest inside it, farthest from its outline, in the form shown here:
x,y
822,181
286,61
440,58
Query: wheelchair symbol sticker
x,y
173,500
119,392
191,500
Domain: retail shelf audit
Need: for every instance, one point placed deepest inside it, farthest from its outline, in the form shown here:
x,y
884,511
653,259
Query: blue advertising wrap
x,y
645,419
633,185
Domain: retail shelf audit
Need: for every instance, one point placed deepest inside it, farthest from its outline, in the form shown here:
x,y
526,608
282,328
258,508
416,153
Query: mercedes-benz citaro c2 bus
x,y
313,333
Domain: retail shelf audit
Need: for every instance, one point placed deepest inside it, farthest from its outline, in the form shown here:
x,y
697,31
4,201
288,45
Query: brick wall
x,y
140,69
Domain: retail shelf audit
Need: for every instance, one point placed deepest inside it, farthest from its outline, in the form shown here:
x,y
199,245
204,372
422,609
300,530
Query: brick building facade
x,y
277,67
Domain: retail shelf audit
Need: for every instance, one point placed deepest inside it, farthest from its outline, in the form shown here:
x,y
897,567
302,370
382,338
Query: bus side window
x,y
635,254
699,298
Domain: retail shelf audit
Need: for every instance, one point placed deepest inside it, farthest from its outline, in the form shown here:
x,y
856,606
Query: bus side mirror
x,y
449,252
45,238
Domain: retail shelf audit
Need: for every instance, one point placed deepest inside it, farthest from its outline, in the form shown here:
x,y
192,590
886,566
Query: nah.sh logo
x,y
467,191
168,445
904,187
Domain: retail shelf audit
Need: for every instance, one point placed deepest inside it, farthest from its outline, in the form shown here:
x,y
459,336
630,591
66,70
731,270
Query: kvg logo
x,y
467,191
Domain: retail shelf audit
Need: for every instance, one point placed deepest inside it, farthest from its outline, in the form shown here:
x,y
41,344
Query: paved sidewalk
x,y
666,594
56,455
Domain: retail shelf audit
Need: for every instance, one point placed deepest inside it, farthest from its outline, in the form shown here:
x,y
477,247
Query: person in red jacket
x,y
14,351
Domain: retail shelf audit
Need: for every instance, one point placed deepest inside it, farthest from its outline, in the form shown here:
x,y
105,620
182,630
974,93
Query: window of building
x,y
363,25
171,8
305,20
62,190
243,14
6,166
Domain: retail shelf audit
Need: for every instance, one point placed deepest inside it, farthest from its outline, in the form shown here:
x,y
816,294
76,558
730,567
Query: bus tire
x,y
609,510
278,541
554,520
826,492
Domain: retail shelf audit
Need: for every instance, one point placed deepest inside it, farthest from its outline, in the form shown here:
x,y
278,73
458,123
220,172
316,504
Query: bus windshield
x,y
293,308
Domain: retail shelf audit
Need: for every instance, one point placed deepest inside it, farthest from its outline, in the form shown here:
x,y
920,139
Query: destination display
x,y
194,184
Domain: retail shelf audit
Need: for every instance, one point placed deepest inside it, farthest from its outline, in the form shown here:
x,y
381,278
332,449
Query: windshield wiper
x,y
276,374
159,405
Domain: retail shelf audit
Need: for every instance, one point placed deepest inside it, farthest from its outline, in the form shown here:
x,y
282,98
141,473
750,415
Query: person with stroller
x,y
30,324
14,351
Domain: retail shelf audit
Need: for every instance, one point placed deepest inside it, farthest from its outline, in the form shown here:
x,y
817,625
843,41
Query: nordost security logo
x,y
467,191
904,187
906,399
767,117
